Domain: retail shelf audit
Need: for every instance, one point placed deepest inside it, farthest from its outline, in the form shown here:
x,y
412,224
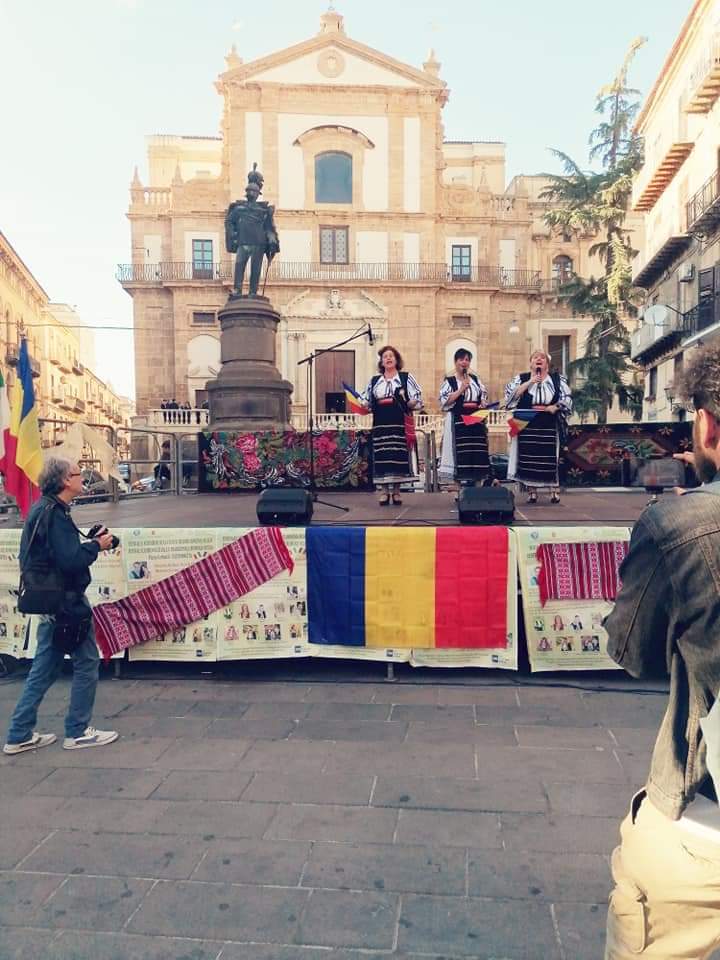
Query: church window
x,y
333,177
202,259
562,269
333,245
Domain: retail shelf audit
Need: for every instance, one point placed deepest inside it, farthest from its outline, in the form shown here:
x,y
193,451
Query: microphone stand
x,y
310,361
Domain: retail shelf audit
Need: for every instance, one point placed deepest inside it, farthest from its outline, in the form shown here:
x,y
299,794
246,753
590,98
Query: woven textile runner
x,y
580,571
193,592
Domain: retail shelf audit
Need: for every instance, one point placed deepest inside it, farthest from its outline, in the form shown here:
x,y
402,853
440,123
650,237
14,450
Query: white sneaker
x,y
36,741
91,738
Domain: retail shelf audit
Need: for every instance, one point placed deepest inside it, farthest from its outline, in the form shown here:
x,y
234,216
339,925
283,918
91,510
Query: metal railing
x,y
170,271
703,315
703,199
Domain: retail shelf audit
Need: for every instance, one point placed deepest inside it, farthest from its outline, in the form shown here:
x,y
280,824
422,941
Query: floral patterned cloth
x,y
249,461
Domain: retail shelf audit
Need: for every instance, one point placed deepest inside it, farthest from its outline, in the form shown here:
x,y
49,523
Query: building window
x,y
559,350
706,298
203,318
459,322
202,259
652,384
562,269
333,178
334,245
460,259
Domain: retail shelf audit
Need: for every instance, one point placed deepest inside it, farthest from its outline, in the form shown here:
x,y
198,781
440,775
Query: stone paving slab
x,y
440,820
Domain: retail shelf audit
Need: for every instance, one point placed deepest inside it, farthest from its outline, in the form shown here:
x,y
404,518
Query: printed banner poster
x,y
16,633
270,621
153,554
564,634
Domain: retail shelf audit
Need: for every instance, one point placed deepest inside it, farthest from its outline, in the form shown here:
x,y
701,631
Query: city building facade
x,y
66,390
382,223
678,192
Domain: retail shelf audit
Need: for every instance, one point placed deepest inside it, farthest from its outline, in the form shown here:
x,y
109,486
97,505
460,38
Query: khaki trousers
x,y
666,899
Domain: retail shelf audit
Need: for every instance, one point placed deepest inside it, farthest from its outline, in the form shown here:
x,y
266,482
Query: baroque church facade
x,y
381,222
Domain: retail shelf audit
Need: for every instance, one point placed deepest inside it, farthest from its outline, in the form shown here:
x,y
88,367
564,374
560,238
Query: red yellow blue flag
x,y
353,401
519,419
479,416
22,460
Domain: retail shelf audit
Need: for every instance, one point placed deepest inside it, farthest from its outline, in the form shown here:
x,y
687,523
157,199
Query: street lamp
x,y
670,397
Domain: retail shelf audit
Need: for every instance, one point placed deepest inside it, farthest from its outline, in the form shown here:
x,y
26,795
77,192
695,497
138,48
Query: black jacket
x,y
58,536
666,619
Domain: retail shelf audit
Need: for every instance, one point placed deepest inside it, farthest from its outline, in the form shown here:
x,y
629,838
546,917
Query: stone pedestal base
x,y
249,393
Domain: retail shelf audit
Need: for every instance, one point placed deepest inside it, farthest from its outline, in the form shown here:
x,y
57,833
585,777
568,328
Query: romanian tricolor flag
x,y
419,587
353,401
479,416
519,420
22,458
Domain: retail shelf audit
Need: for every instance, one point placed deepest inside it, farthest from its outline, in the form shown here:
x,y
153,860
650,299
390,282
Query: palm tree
x,y
596,202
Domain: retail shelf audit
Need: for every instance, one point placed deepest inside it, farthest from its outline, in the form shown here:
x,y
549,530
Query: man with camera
x,y
51,544
666,898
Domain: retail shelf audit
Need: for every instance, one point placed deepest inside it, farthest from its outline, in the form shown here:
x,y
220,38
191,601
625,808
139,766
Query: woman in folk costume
x,y
465,452
535,451
392,395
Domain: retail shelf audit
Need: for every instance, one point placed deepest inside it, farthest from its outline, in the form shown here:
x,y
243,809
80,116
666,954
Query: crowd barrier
x,y
272,621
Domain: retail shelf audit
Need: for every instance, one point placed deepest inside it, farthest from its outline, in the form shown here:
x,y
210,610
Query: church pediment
x,y
334,304
334,59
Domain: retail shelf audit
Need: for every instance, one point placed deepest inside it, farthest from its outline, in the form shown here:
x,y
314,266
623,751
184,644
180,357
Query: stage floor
x,y
595,507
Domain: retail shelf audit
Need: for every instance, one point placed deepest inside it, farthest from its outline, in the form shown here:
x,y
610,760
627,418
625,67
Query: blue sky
x,y
85,80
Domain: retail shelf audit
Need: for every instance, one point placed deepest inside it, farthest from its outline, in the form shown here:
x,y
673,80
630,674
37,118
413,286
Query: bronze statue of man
x,y
250,233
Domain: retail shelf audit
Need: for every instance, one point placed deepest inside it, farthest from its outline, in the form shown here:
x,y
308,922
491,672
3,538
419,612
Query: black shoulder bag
x,y
42,585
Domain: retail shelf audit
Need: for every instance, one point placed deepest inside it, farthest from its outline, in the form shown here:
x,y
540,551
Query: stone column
x,y
249,393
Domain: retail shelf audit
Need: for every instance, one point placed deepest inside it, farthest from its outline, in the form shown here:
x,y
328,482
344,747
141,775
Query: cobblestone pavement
x,y
311,820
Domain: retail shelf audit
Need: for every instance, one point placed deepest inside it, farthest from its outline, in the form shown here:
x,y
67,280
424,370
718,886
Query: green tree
x,y
596,202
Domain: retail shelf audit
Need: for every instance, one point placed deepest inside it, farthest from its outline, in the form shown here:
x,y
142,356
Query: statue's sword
x,y
267,271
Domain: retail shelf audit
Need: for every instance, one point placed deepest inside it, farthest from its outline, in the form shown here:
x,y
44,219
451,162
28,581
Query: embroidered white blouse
x,y
475,393
542,394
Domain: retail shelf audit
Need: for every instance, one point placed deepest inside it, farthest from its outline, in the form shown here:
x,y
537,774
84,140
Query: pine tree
x,y
596,202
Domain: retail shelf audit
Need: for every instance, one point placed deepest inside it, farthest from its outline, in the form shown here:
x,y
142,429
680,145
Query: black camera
x,y
96,529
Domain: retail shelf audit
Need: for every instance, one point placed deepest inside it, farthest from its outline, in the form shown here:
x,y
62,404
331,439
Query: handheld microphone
x,y
371,338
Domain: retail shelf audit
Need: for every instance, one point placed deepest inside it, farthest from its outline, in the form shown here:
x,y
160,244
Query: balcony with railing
x,y
702,316
652,339
703,86
293,271
703,208
177,421
663,158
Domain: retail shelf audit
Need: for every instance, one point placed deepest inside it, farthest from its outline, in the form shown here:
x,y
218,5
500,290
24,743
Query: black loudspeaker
x,y
284,508
486,505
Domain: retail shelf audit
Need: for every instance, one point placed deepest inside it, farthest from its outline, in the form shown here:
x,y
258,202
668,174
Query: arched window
x,y
562,269
333,177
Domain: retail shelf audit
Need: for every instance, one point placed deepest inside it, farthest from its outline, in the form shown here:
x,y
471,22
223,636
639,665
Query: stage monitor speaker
x,y
486,505
284,508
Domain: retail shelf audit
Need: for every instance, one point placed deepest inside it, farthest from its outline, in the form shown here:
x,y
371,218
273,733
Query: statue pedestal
x,y
249,392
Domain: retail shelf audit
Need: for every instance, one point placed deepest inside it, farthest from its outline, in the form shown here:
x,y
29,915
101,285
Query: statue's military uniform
x,y
251,233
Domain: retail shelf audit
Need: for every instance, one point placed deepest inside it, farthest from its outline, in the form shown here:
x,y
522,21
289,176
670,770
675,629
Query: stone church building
x,y
381,221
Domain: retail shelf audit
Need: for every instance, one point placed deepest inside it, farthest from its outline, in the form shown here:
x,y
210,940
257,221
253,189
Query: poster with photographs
x,y
505,658
16,630
151,554
272,620
564,634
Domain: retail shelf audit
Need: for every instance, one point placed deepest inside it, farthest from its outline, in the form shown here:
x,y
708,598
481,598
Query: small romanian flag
x,y
414,587
519,420
479,416
353,402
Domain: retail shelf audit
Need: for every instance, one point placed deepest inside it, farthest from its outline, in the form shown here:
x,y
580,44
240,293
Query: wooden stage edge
x,y
579,507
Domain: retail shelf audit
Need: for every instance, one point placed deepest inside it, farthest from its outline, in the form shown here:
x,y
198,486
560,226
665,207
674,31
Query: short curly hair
x,y
700,380
398,357
53,476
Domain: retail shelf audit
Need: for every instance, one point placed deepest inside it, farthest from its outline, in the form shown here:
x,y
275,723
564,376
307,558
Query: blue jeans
x,y
45,670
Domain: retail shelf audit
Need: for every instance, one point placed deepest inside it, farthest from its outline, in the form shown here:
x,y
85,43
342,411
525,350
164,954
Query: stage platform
x,y
593,507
